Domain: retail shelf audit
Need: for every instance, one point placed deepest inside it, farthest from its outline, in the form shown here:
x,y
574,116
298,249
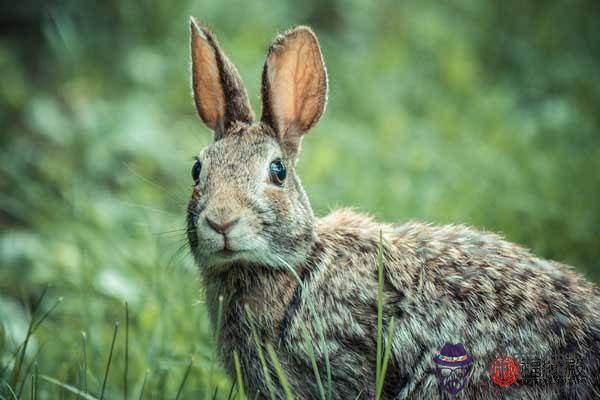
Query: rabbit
x,y
275,274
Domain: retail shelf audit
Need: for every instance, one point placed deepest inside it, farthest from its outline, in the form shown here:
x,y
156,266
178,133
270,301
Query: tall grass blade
x,y
319,325
231,391
143,386
47,314
69,388
21,356
11,391
280,373
126,370
217,334
383,355
238,376
379,354
32,327
313,360
386,356
84,346
163,377
28,369
112,347
259,350
185,376
34,382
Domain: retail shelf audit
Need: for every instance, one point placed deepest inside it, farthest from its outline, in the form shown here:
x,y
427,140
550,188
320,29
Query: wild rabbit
x,y
258,245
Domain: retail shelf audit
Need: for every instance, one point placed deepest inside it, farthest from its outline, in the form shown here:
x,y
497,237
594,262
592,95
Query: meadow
x,y
477,113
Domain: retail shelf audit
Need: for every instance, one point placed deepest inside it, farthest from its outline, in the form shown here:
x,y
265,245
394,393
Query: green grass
x,y
384,348
436,112
238,375
30,378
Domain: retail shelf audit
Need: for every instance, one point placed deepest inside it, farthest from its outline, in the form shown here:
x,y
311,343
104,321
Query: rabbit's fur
x,y
441,283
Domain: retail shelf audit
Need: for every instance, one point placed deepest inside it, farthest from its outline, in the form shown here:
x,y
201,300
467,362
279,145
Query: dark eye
x,y
196,171
278,172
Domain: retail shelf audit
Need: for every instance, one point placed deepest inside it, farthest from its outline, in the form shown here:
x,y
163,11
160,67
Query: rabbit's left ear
x,y
294,85
219,94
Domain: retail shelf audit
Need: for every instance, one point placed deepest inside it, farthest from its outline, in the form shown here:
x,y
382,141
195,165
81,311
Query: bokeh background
x,y
485,113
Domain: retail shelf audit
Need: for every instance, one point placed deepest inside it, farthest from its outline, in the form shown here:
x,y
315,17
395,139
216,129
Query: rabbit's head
x,y
248,204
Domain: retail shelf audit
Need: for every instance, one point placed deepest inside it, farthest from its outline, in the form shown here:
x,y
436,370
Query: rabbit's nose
x,y
221,227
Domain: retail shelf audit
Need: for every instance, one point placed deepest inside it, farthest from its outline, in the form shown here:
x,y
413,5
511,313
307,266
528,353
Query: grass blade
x,y
69,388
126,370
10,389
143,386
32,327
34,382
84,345
280,374
217,334
383,355
231,391
379,354
47,314
259,350
185,376
28,369
112,347
238,376
21,357
313,360
388,349
386,358
320,330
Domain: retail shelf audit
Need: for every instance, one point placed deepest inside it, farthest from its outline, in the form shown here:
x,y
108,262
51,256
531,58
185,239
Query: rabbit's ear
x,y
219,93
294,85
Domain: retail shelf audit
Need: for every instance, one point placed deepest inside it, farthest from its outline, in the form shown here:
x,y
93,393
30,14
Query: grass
x,y
20,378
110,355
95,165
383,348
238,377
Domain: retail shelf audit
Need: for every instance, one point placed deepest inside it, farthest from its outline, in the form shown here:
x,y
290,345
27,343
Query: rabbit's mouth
x,y
227,252
224,252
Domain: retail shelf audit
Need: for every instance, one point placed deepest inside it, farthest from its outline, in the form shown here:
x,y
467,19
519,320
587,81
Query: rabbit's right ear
x,y
294,85
219,94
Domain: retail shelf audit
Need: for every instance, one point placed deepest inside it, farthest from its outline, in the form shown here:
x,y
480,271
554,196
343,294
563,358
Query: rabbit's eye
x,y
196,171
278,172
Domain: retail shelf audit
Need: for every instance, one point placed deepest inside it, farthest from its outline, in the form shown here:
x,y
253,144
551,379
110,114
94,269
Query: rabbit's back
x,y
441,284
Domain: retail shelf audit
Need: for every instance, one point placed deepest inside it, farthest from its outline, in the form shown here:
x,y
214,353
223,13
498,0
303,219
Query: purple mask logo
x,y
452,367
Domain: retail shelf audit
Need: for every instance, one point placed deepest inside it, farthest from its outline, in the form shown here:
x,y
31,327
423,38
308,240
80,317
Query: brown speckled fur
x,y
441,283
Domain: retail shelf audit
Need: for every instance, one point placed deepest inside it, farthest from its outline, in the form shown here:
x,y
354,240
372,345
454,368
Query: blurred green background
x,y
485,113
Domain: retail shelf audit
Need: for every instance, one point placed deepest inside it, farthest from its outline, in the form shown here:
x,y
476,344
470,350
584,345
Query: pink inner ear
x,y
281,70
297,81
208,93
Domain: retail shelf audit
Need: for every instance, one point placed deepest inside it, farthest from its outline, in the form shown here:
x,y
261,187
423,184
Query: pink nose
x,y
221,227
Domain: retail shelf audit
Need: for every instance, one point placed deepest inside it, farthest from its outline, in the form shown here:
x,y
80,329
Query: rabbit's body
x,y
442,284
259,247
